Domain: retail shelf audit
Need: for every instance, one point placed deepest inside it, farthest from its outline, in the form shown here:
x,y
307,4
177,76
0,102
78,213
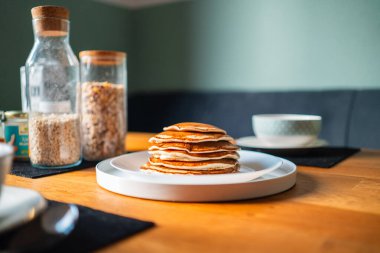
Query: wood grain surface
x,y
328,210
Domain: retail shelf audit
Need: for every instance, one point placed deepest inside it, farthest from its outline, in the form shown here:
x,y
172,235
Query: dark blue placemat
x,y
25,169
94,230
323,157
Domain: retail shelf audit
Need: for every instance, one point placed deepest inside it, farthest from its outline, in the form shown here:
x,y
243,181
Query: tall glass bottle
x,y
53,93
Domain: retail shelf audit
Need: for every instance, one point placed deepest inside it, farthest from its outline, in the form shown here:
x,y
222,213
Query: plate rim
x,y
140,175
259,179
130,187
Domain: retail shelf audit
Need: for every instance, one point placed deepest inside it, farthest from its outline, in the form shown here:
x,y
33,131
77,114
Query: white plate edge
x,y
140,177
137,179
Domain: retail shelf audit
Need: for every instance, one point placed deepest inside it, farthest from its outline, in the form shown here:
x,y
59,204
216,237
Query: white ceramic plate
x,y
251,167
18,206
254,142
123,183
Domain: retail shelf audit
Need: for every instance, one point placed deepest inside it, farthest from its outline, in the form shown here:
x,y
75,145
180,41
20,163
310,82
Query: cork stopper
x,y
50,20
50,11
102,57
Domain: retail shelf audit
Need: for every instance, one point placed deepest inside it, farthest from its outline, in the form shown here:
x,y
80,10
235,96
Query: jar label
x,y
55,107
17,135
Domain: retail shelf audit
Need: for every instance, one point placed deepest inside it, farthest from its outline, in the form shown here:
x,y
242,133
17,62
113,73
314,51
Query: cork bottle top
x,y
102,57
50,11
50,20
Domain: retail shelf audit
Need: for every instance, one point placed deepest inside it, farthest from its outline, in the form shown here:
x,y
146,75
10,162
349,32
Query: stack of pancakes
x,y
192,148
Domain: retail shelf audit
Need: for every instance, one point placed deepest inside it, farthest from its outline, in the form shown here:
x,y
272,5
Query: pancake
x,y
192,148
219,164
194,127
189,137
166,170
178,155
196,148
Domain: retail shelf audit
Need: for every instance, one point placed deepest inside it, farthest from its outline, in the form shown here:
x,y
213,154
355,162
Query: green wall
x,y
93,26
256,45
244,45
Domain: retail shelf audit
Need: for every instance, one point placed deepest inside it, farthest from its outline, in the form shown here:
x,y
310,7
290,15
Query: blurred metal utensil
x,y
51,227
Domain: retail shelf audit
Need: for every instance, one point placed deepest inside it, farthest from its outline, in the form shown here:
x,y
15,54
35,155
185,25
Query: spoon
x,y
51,227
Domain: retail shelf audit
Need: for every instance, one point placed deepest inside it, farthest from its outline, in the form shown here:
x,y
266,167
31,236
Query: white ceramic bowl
x,y
286,130
6,157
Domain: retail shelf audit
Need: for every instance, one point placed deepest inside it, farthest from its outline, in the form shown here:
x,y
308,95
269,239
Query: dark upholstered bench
x,y
350,117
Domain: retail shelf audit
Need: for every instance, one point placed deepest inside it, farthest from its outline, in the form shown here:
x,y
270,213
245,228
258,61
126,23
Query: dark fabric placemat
x,y
94,229
25,169
323,157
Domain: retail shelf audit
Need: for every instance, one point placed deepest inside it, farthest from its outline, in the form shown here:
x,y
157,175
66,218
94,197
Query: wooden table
x,y
329,210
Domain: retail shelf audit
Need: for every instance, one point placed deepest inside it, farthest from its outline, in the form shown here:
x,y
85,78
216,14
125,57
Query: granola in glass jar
x,y
103,120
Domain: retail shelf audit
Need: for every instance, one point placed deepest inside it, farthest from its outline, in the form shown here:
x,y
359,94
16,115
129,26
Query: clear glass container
x,y
53,92
104,89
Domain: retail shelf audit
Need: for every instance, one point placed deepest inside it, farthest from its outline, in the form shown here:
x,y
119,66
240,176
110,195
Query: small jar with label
x,y
103,89
53,93
15,133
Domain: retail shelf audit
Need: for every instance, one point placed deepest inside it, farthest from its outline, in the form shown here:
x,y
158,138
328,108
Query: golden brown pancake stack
x,y
192,148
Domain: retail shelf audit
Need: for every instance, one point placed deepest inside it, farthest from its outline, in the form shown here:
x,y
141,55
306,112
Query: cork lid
x,y
50,20
50,11
102,57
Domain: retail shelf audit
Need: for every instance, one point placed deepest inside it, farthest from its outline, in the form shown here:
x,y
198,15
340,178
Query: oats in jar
x,y
54,139
103,120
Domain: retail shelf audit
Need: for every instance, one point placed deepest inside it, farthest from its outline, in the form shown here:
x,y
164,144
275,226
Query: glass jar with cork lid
x,y
53,93
104,87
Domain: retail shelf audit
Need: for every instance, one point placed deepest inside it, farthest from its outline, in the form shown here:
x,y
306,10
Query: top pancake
x,y
189,137
194,127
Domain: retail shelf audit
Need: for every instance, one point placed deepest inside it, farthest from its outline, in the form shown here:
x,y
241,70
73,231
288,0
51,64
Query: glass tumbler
x,y
104,89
